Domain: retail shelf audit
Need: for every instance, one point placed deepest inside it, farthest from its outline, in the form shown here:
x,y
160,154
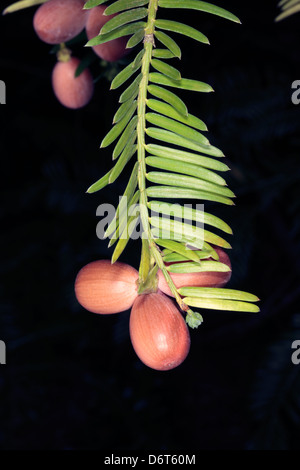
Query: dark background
x,y
72,379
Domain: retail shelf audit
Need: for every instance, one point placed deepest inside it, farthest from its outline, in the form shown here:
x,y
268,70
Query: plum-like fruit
x,y
72,92
102,287
110,51
158,332
58,21
203,279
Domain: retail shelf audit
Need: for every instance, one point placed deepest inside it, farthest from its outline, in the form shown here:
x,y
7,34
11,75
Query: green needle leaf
x,y
174,257
185,230
201,6
135,39
181,29
163,54
124,18
169,97
145,263
122,5
126,155
206,247
166,69
187,157
288,4
169,43
126,210
132,90
131,127
217,293
186,169
172,138
179,248
173,192
125,237
123,110
178,128
205,266
127,196
116,33
220,304
92,4
287,13
119,127
189,182
100,184
21,5
167,110
127,72
188,241
138,60
184,83
188,213
177,230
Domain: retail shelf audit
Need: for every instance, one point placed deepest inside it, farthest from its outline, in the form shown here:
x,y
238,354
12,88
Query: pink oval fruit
x,y
72,92
58,21
102,287
158,332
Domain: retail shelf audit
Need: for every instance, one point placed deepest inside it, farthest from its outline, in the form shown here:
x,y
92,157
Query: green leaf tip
x,y
92,3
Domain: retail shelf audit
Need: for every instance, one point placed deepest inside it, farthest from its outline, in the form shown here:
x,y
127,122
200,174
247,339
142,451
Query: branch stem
x,y
141,126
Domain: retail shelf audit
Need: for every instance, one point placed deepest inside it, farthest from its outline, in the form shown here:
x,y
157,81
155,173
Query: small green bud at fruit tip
x,y
193,319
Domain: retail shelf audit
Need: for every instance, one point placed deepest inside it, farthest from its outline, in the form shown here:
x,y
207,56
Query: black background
x,y
72,379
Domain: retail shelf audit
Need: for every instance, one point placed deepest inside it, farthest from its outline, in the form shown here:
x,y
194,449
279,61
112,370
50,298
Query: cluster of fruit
x,y
59,21
158,332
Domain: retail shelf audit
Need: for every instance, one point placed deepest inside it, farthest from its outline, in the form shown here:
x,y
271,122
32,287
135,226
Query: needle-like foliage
x,y
288,8
175,159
